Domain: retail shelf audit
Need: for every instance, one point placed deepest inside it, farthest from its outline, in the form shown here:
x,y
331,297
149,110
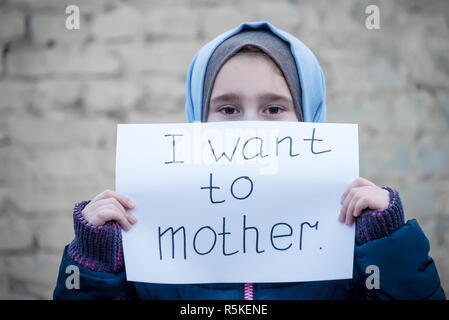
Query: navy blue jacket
x,y
405,269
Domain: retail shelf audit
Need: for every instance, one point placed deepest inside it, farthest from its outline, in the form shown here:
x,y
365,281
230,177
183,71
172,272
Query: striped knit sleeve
x,y
372,225
98,248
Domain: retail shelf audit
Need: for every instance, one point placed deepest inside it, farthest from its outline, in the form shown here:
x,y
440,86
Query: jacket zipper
x,y
248,294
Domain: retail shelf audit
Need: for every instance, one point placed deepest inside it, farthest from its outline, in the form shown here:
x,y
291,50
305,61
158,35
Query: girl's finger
x,y
127,203
350,211
121,219
346,202
359,182
105,203
107,213
101,216
341,216
119,206
361,205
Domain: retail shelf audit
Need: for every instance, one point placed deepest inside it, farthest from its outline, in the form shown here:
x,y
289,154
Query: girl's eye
x,y
229,110
273,110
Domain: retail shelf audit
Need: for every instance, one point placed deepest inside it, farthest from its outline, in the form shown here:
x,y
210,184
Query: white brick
x,y
48,183
354,108
33,134
443,200
433,156
4,173
60,5
54,233
168,57
429,229
174,22
385,158
43,201
413,111
50,168
15,96
110,95
284,15
122,22
165,58
40,291
442,264
50,29
150,117
89,61
419,200
15,234
410,46
345,72
18,296
215,21
385,73
36,269
4,281
51,95
12,26
166,94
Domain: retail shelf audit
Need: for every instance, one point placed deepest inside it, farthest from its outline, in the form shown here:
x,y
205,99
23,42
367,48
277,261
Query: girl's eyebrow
x,y
269,96
274,97
225,97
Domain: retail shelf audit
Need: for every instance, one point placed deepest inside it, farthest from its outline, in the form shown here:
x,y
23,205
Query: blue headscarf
x,y
311,77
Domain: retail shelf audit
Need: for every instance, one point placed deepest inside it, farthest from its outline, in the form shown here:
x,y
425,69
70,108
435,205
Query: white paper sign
x,y
237,201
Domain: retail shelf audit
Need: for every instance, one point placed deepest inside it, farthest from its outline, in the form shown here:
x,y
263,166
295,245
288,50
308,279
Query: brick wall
x,y
63,92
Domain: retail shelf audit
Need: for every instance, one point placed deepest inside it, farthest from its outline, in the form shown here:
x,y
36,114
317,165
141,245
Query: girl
x,y
257,72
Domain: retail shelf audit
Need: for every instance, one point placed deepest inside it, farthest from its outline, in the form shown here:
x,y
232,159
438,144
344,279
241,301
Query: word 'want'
x,y
248,146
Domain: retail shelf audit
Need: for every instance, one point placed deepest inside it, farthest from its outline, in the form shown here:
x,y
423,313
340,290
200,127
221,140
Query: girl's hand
x,y
360,195
110,205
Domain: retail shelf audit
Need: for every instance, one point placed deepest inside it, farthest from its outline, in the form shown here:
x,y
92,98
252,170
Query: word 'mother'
x,y
279,237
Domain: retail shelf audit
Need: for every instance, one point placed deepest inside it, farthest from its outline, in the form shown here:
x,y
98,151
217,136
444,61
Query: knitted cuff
x,y
372,225
98,248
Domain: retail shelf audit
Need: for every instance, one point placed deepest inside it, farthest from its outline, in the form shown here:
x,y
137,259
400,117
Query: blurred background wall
x,y
63,92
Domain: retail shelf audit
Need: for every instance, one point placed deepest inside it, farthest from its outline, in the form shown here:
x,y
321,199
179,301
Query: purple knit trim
x,y
98,248
372,225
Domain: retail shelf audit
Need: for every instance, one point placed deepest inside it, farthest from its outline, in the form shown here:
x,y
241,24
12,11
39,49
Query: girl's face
x,y
250,86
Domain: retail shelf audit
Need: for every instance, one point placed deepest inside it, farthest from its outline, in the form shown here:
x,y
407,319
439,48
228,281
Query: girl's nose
x,y
251,114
